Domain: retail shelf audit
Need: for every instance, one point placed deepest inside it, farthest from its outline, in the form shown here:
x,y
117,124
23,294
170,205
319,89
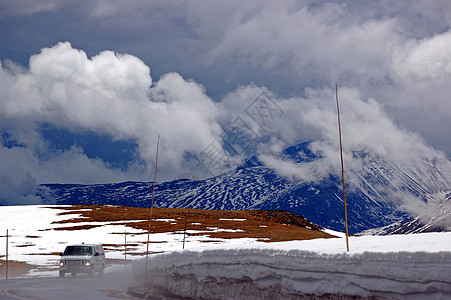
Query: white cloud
x,y
394,52
366,126
392,152
397,53
109,94
306,172
426,59
423,69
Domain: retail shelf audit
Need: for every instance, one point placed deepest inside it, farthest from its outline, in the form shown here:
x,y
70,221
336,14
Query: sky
x,y
86,87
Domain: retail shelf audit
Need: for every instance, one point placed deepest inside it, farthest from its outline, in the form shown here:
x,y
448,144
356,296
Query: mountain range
x,y
379,192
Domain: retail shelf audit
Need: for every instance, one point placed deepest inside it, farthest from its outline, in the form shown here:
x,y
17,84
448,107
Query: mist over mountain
x,y
436,217
379,192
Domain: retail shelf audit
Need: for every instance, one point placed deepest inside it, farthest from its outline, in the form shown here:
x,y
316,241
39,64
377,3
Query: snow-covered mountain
x,y
435,218
379,192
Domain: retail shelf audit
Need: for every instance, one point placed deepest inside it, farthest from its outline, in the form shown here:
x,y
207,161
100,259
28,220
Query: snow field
x,y
33,238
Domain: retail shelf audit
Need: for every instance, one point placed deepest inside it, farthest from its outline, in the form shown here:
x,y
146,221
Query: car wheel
x,y
61,274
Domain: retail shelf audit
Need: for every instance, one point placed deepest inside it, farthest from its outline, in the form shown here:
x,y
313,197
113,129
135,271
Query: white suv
x,y
83,258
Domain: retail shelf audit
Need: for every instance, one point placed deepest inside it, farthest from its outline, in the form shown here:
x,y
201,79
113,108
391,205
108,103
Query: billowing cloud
x,y
365,126
110,94
394,53
372,145
426,59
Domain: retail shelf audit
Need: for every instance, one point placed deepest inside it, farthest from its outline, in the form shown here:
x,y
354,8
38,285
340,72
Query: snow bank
x,y
401,267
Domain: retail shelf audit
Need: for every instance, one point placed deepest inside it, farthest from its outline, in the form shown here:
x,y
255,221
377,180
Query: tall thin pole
x,y
7,235
125,248
184,233
151,208
342,168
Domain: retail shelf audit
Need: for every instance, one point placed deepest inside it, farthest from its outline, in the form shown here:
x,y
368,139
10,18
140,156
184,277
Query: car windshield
x,y
78,250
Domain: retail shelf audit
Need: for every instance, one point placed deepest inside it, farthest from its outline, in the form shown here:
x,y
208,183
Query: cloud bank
x,y
366,128
113,94
110,94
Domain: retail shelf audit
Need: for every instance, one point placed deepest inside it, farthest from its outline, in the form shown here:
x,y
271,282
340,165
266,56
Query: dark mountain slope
x,y
375,196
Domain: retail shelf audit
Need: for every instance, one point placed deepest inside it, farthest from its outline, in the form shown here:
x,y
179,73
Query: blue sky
x,y
87,86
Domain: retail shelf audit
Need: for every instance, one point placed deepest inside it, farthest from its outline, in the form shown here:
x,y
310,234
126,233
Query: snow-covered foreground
x,y
35,238
397,266
401,267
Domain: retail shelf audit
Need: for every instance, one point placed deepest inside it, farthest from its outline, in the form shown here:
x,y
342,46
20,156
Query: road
x,y
113,285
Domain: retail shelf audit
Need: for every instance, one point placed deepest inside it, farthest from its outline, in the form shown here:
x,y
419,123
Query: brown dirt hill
x,y
15,269
265,225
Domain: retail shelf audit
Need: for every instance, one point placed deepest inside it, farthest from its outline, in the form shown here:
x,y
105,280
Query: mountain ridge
x,y
377,189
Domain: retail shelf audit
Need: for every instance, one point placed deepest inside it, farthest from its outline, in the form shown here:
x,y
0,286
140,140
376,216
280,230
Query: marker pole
x,y
342,168
6,265
151,209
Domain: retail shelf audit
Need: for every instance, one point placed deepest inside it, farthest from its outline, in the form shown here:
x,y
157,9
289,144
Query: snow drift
x,y
284,271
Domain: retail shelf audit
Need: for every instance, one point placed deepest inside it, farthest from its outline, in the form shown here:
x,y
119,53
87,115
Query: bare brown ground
x,y
15,268
266,225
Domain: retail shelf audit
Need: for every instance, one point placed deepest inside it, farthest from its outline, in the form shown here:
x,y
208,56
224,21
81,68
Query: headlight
x,y
87,263
61,263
